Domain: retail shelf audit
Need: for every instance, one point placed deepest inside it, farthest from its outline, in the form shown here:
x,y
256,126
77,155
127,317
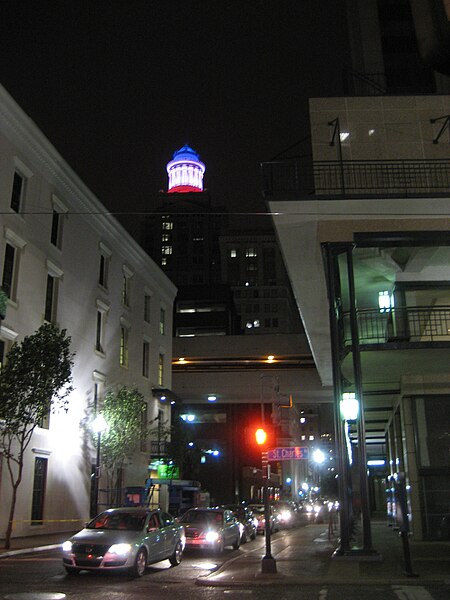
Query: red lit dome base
x,y
182,189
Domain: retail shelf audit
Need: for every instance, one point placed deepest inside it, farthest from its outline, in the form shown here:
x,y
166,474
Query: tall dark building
x,y
183,236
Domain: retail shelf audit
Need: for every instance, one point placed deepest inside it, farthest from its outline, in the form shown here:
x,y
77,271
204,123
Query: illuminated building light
x,y
376,463
185,171
212,398
344,135
385,301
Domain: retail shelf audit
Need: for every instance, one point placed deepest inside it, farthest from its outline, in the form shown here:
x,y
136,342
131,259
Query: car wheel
x,y
219,547
140,563
177,555
237,543
72,571
244,537
253,536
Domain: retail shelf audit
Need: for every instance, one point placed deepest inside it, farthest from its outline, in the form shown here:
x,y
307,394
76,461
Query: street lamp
x,y
99,425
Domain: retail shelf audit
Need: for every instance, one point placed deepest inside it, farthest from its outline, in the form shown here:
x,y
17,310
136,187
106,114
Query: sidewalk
x,y
305,556
308,559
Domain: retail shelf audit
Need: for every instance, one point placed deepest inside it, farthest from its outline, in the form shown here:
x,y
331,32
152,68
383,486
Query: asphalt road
x,y
41,576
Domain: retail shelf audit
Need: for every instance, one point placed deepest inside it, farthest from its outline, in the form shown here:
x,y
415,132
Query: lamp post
x,y
268,563
99,425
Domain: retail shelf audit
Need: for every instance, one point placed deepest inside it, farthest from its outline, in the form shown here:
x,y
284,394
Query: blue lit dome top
x,y
185,171
186,152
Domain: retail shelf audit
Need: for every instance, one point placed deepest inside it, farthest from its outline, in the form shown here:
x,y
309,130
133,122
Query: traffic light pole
x,y
268,563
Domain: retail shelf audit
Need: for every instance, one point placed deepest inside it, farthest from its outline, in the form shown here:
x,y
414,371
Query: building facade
x,y
65,261
368,229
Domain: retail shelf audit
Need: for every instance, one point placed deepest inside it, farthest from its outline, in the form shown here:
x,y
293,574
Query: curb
x,y
28,550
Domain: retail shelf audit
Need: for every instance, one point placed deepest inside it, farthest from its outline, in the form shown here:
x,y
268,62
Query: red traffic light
x,y
261,436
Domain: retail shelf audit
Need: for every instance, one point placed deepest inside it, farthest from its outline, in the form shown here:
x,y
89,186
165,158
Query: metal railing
x,y
407,324
357,177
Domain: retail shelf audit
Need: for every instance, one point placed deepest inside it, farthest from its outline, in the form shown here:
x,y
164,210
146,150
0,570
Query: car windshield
x,y
202,518
118,520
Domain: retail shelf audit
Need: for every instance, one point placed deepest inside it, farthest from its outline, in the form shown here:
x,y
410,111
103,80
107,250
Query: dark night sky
x,y
117,87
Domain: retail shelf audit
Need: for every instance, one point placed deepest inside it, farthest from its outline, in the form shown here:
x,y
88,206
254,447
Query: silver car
x,y
127,539
211,528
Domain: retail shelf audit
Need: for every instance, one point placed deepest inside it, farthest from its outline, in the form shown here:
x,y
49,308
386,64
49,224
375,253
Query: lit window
x,y
302,420
256,323
385,301
167,225
123,346
163,262
166,250
162,321
311,438
303,438
233,253
165,237
161,370
250,252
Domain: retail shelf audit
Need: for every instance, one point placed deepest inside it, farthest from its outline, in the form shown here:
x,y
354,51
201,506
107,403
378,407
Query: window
x,y
145,359
250,252
166,250
17,193
126,286
50,299
167,225
103,271
8,270
162,321
165,237
147,305
161,370
103,267
123,346
102,309
39,483
233,253
99,332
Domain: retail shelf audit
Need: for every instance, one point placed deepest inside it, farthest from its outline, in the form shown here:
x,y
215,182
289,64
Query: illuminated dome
x,y
185,171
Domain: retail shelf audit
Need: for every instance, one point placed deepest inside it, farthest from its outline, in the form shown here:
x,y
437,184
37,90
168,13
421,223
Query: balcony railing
x,y
357,178
406,324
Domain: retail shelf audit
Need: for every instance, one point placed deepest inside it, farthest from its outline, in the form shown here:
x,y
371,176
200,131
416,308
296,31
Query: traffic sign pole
x,y
268,563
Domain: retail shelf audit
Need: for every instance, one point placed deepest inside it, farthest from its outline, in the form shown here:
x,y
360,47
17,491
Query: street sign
x,y
288,453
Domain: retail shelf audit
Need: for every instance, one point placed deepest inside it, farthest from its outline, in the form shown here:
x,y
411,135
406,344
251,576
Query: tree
x,y
124,412
35,380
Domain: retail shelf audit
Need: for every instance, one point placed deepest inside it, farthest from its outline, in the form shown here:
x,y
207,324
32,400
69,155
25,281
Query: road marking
x,y
36,596
411,592
238,591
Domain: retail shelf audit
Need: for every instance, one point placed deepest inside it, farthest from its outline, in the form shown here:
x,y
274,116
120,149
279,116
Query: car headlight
x,y
285,515
67,546
211,536
317,509
120,549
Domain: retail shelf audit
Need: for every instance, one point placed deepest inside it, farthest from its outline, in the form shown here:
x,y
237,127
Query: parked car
x,y
247,520
125,538
211,528
258,511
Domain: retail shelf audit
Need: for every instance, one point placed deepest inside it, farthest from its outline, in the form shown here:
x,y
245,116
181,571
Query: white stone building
x,y
65,259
